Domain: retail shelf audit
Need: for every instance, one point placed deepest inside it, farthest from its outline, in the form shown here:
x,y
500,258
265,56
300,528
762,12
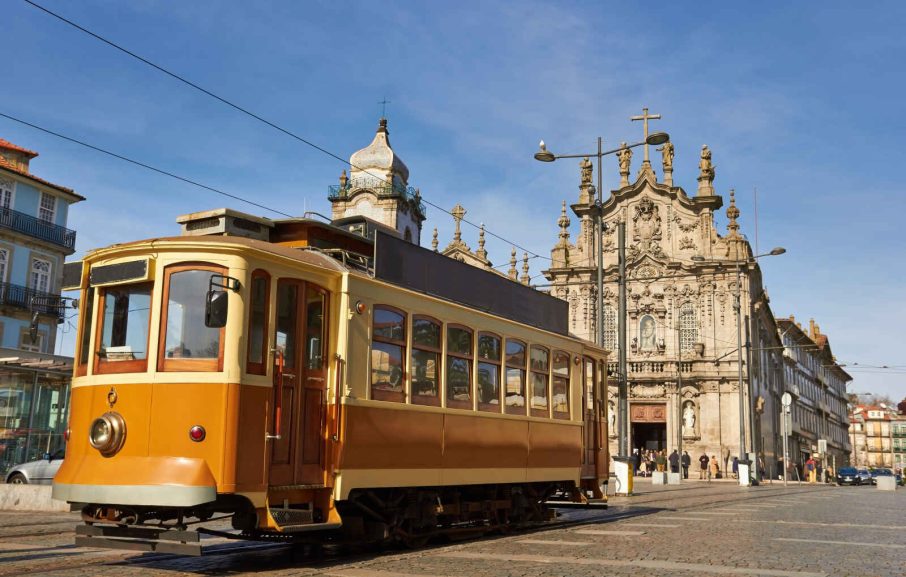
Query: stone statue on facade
x,y
667,156
585,166
625,158
688,417
706,173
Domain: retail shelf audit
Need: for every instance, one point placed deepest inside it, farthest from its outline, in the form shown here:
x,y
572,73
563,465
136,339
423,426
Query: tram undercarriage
x,y
409,517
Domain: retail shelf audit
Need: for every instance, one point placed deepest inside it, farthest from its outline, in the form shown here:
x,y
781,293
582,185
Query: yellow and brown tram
x,y
312,383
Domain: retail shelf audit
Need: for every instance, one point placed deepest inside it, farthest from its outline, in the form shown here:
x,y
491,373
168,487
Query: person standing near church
x,y
674,462
661,461
686,460
703,466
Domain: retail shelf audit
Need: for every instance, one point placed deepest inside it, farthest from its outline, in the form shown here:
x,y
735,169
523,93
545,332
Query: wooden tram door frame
x,y
298,457
593,458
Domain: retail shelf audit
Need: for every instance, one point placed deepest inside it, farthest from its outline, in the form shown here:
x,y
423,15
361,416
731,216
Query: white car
x,y
40,472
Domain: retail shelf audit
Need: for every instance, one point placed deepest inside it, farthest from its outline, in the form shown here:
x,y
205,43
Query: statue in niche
x,y
688,417
611,417
647,332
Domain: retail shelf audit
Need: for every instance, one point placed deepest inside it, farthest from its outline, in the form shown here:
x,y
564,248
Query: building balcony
x,y
37,228
381,189
17,296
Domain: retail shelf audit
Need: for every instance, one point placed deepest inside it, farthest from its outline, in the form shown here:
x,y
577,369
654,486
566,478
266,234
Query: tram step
x,y
290,517
310,527
138,539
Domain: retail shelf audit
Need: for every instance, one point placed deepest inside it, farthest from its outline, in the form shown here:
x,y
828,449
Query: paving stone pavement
x,y
691,529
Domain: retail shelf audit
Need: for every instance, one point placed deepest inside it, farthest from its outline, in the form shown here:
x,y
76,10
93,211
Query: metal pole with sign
x,y
786,400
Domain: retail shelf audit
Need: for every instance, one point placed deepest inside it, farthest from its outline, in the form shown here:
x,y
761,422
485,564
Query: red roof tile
x,y
30,176
10,146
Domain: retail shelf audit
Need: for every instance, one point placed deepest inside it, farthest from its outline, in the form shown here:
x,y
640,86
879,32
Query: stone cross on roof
x,y
645,117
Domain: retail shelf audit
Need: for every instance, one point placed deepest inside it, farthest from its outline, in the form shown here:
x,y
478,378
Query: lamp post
x,y
544,155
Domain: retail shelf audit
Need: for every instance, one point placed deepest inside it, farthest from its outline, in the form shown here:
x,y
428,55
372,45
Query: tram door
x,y
592,457
297,457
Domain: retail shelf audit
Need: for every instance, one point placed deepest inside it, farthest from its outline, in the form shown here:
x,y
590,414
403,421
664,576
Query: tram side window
x,y
123,343
560,398
459,367
489,372
388,345
188,344
515,377
540,365
259,293
426,351
85,341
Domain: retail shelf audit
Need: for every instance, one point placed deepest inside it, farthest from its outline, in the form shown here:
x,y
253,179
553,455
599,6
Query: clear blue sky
x,y
801,101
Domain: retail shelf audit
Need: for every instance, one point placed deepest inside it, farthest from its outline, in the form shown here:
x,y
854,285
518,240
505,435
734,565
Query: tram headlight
x,y
108,433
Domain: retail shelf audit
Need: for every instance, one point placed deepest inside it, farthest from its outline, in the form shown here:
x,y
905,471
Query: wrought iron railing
x,y
30,299
380,188
35,227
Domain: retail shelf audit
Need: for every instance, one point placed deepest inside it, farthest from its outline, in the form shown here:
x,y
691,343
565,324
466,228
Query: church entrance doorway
x,y
649,426
649,436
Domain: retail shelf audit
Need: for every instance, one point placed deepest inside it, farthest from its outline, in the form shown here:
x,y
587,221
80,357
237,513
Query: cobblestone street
x,y
692,529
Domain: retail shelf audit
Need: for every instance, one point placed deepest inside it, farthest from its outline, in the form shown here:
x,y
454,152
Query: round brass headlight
x,y
108,433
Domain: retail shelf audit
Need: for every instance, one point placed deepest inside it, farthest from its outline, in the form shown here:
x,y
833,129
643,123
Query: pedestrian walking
x,y
686,460
735,467
674,461
811,470
703,466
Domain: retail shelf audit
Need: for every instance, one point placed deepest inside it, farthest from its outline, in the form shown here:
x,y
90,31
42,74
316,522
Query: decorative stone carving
x,y
648,391
686,243
625,158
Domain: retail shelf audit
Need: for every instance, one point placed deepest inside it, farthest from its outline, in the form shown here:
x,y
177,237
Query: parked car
x,y
875,473
40,472
848,476
865,477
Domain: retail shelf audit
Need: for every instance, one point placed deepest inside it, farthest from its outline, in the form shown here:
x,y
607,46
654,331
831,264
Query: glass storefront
x,y
34,408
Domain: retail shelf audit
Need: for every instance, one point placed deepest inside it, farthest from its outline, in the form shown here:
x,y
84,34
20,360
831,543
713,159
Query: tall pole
x,y
624,397
600,222
742,402
784,411
679,395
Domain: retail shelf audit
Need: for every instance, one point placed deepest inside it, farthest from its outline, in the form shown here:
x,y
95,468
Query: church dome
x,y
378,158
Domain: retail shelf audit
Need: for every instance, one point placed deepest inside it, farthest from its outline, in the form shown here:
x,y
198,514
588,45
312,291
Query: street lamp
x,y
544,155
737,306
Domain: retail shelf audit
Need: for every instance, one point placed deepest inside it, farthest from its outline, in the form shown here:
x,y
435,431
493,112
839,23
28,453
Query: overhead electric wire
x,y
247,112
143,165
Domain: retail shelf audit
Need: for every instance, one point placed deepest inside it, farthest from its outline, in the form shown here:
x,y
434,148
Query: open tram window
x,y
540,369
388,347
86,315
459,367
122,346
489,360
425,361
560,397
515,377
259,294
187,344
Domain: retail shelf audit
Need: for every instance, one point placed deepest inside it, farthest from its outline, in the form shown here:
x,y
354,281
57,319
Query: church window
x,y
610,328
688,327
407,236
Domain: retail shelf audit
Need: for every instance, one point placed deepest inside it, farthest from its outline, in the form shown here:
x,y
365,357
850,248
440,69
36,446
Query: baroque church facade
x,y
682,281
683,278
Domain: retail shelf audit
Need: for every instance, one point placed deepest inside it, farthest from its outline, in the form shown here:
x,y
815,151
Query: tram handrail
x,y
278,398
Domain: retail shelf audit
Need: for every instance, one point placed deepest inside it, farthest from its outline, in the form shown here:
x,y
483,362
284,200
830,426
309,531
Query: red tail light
x,y
197,433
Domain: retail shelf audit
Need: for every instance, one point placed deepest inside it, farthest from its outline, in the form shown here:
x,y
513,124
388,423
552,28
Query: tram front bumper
x,y
151,481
